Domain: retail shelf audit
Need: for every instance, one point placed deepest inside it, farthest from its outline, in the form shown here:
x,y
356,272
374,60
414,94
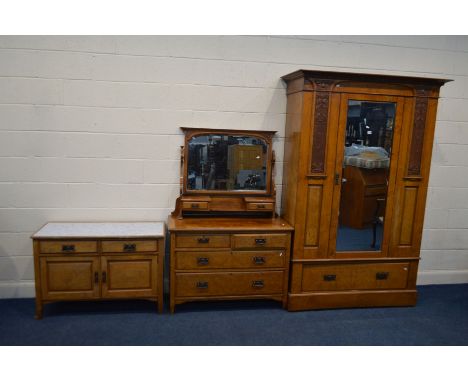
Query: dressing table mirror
x,y
226,172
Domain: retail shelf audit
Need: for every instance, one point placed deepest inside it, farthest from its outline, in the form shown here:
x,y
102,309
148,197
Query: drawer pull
x,y
204,240
202,284
96,277
260,241
329,277
104,277
258,284
195,205
381,276
68,248
259,260
260,206
129,247
202,260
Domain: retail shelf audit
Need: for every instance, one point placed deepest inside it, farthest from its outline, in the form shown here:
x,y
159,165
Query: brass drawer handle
x,y
68,248
104,277
203,240
260,241
202,260
329,277
381,275
202,284
260,206
129,247
259,260
258,284
96,277
195,205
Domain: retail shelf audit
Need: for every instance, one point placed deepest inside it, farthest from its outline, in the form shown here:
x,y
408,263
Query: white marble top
x,y
100,230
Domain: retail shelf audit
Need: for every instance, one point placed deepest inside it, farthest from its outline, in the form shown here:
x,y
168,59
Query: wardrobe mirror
x,y
227,162
364,177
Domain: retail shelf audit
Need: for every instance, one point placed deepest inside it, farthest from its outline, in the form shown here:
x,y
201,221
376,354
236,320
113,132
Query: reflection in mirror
x,y
366,164
226,163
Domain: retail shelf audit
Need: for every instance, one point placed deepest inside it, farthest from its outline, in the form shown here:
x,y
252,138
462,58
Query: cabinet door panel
x,y
69,277
129,276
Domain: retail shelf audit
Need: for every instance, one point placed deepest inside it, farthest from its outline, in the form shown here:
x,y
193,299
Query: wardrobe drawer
x,y
203,260
260,240
67,247
203,241
229,284
129,246
355,277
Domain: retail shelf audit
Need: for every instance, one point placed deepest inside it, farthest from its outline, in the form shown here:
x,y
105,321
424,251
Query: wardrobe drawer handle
x,y
329,277
195,205
68,248
260,206
260,241
96,277
204,240
104,277
202,260
381,275
202,284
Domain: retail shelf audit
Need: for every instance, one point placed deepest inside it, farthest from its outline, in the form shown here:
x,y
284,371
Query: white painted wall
x,y
89,126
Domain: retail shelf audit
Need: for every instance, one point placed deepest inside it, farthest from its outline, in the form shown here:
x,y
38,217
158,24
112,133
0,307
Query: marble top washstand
x,y
96,230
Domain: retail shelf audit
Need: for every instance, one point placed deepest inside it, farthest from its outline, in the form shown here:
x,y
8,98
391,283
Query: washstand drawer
x,y
355,277
203,241
260,206
195,206
67,246
258,259
277,240
129,246
229,284
203,260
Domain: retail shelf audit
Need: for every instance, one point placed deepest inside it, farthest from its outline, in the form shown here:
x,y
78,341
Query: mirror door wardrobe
x,y
355,176
368,133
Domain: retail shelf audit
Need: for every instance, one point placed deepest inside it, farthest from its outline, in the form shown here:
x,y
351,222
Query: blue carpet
x,y
440,318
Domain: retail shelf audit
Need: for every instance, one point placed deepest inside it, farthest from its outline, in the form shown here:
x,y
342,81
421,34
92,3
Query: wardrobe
x,y
356,168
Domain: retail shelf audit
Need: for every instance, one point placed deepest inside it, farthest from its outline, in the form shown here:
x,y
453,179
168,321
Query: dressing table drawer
x,y
195,206
203,241
234,283
203,260
260,241
260,206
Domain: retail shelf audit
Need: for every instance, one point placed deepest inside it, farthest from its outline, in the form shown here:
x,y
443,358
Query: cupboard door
x,y
71,278
367,153
129,276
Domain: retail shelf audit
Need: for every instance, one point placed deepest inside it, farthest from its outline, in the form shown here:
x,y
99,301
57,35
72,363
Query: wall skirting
x,y
442,277
20,289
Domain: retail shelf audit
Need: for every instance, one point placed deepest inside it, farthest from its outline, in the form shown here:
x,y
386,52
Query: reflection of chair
x,y
378,219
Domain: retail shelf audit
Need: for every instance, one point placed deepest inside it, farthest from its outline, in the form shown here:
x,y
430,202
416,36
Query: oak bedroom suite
x,y
345,231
